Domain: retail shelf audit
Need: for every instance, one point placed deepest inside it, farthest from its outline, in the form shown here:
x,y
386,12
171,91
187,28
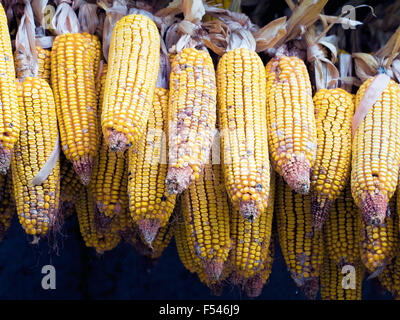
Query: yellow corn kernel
x,y
205,212
190,260
73,83
302,247
242,121
342,230
109,177
332,280
95,228
9,120
7,204
70,186
37,206
44,59
250,253
292,134
390,276
334,111
376,154
133,63
380,243
149,202
192,117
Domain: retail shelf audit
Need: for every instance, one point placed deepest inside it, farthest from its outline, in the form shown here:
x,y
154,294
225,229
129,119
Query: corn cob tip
x,y
374,208
296,173
5,160
254,286
213,269
248,209
178,179
83,169
310,288
216,288
149,229
320,209
117,141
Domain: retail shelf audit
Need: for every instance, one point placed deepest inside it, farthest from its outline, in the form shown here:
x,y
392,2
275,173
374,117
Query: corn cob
x,y
254,285
376,154
342,230
192,117
37,205
70,187
205,212
390,277
334,110
9,122
109,178
149,202
332,281
7,204
44,59
292,134
95,48
160,242
190,260
70,184
95,233
73,83
380,243
250,253
302,247
133,64
242,121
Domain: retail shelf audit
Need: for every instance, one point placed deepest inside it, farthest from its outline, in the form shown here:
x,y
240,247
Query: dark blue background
x,y
119,274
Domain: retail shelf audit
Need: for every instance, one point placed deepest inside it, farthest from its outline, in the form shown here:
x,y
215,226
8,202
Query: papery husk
x,y
385,64
87,15
43,41
38,7
280,31
26,60
386,60
189,30
325,72
231,30
114,13
345,72
65,19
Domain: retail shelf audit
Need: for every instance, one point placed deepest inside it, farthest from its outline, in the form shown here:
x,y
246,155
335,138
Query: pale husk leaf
x,y
88,16
26,60
65,20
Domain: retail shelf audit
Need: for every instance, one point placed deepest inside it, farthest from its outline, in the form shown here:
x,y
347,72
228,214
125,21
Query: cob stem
x,y
83,168
149,229
178,179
